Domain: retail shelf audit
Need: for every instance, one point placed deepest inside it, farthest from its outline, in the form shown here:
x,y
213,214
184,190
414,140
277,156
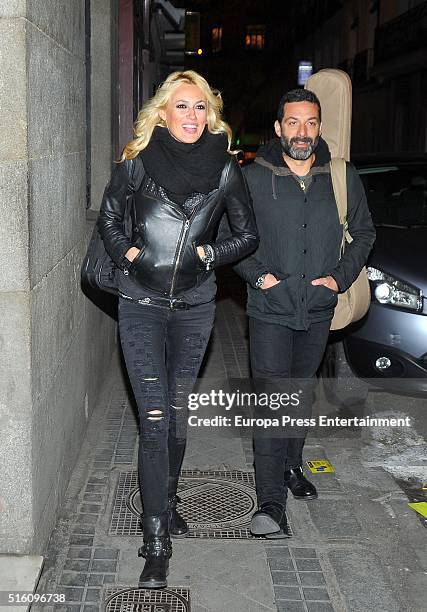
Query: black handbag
x,y
98,270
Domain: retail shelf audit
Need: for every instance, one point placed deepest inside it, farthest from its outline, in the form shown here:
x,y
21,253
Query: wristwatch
x,y
260,280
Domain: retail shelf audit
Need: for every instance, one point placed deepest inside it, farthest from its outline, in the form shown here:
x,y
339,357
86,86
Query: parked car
x,y
388,347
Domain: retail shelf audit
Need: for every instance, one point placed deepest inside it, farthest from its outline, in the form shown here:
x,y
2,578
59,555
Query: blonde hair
x,y
148,117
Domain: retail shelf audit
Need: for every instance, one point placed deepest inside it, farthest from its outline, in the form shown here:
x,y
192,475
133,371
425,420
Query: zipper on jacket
x,y
178,255
182,238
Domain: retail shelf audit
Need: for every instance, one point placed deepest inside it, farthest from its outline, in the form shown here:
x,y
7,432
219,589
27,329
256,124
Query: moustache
x,y
301,140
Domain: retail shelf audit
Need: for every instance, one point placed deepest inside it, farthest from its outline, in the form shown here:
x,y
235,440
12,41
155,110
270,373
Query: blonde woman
x,y
167,285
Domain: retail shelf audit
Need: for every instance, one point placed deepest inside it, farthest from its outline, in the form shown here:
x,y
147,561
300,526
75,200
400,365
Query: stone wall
x,y
54,342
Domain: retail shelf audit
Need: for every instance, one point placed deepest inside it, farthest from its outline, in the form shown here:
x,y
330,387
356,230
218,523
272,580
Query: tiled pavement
x,y
348,553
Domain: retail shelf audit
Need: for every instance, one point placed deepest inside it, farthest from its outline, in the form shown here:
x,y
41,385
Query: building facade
x,y
251,51
70,85
382,44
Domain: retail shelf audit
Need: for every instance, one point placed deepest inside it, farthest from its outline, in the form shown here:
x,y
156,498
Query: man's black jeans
x,y
278,353
163,351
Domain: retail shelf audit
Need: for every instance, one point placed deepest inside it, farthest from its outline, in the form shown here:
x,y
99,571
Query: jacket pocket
x,y
133,265
320,298
278,299
198,263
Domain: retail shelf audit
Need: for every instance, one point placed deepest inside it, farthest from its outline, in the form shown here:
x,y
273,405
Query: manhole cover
x,y
147,600
209,503
216,504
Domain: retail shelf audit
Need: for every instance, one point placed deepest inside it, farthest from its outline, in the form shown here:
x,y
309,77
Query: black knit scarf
x,y
181,168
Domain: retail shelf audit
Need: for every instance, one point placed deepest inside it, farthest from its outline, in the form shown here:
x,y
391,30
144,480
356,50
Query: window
x,y
255,37
216,39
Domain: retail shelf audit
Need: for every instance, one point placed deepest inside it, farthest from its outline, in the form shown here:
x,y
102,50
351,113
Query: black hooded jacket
x,y
300,238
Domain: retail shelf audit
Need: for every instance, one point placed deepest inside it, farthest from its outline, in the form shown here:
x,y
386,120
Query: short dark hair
x,y
298,95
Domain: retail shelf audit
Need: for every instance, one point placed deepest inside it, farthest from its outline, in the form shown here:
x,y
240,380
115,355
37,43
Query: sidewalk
x,y
357,548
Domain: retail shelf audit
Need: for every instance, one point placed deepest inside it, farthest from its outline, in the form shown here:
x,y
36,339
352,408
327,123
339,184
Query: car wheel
x,y
340,385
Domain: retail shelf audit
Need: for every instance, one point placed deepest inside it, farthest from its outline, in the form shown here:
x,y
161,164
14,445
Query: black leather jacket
x,y
168,263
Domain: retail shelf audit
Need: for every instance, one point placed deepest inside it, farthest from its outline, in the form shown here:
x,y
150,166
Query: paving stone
x,y
75,552
290,606
285,578
73,594
285,592
93,497
73,579
109,579
66,608
98,480
105,553
281,564
308,565
334,518
356,568
93,595
312,578
101,464
319,607
81,540
90,609
104,566
87,518
77,566
304,553
95,488
277,552
84,530
313,594
90,509
96,580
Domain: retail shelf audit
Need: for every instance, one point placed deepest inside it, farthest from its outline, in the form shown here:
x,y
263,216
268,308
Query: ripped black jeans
x,y
163,351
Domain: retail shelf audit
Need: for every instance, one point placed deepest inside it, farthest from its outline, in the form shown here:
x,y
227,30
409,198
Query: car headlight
x,y
388,289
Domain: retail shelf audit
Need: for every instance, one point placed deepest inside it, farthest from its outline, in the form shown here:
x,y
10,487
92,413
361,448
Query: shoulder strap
x,y
136,173
339,183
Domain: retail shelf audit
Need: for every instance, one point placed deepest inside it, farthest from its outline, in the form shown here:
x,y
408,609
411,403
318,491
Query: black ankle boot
x,y
157,550
300,487
178,526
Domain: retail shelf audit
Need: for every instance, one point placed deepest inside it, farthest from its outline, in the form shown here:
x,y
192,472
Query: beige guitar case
x,y
333,88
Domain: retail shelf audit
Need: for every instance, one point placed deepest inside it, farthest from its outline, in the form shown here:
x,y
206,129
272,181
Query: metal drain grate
x,y
147,600
216,504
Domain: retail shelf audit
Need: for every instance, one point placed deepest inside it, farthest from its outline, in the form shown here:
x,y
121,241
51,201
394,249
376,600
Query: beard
x,y
296,153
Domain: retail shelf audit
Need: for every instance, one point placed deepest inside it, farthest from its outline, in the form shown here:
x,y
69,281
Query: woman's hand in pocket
x,y
269,281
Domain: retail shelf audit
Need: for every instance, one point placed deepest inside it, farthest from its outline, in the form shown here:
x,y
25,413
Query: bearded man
x,y
293,280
